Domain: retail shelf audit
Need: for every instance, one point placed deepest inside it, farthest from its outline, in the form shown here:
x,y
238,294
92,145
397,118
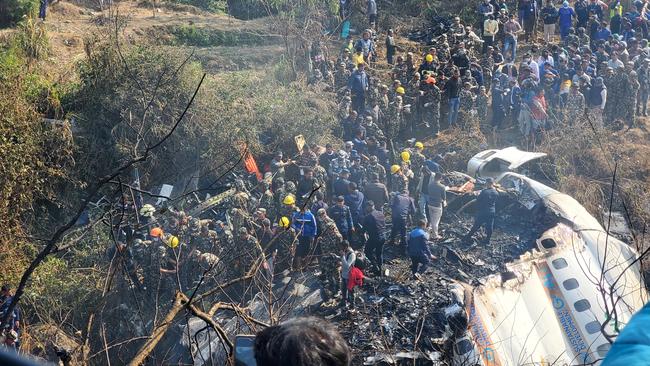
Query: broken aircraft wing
x,y
490,163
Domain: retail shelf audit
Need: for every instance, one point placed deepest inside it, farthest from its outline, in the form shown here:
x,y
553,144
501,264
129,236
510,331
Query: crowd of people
x,y
335,208
583,63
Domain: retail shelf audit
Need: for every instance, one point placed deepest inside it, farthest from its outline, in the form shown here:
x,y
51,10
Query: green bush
x,y
231,109
191,35
32,38
215,6
12,11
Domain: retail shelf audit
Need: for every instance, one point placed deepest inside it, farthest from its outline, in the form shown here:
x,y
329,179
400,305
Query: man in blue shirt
x,y
486,211
566,15
367,46
418,249
358,85
342,216
304,223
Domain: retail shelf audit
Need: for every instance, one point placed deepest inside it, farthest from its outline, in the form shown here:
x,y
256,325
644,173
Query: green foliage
x,y
57,288
215,6
33,155
12,11
192,35
251,9
230,110
32,38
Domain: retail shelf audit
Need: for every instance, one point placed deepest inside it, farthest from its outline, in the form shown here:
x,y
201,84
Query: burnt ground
x,y
404,318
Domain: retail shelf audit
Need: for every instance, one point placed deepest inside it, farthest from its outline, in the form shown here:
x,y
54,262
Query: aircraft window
x,y
603,349
548,243
560,263
592,327
582,305
571,284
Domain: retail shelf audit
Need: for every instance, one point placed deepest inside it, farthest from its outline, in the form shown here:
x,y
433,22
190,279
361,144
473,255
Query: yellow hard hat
x,y
400,90
289,200
394,169
419,145
429,58
406,156
173,241
284,222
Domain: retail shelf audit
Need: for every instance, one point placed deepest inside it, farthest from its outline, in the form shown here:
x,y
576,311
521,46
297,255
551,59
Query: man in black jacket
x,y
402,206
374,225
486,211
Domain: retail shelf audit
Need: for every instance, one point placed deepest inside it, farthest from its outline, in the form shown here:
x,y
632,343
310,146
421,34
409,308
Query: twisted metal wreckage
x,y
561,299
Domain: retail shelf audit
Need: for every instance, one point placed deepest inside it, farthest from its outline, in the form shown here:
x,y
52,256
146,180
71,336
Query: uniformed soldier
x,y
431,104
399,182
574,109
481,103
328,244
630,99
375,167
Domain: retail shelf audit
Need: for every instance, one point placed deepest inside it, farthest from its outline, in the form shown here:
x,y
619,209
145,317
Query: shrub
x,y
12,11
215,6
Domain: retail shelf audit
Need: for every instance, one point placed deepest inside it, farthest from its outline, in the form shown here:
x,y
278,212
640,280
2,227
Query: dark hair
x,y
306,341
422,222
437,177
352,186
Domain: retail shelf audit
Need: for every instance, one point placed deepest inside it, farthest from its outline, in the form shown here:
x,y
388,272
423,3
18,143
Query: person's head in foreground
x,y
306,341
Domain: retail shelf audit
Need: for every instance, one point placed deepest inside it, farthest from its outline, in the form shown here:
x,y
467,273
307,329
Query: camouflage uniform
x,y
240,218
630,98
341,78
328,241
417,161
268,201
284,241
290,188
378,169
399,182
373,130
394,119
583,40
358,174
431,104
616,96
320,177
481,103
466,114
574,108
487,64
247,251
278,197
225,240
612,84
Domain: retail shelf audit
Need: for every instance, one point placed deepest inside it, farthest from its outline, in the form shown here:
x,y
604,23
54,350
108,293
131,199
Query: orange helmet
x,y
156,232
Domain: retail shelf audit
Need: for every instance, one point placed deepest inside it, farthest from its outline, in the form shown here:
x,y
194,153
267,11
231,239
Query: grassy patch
x,y
191,35
214,6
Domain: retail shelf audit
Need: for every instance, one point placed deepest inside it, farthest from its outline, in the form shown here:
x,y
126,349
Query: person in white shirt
x,y
490,30
614,62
